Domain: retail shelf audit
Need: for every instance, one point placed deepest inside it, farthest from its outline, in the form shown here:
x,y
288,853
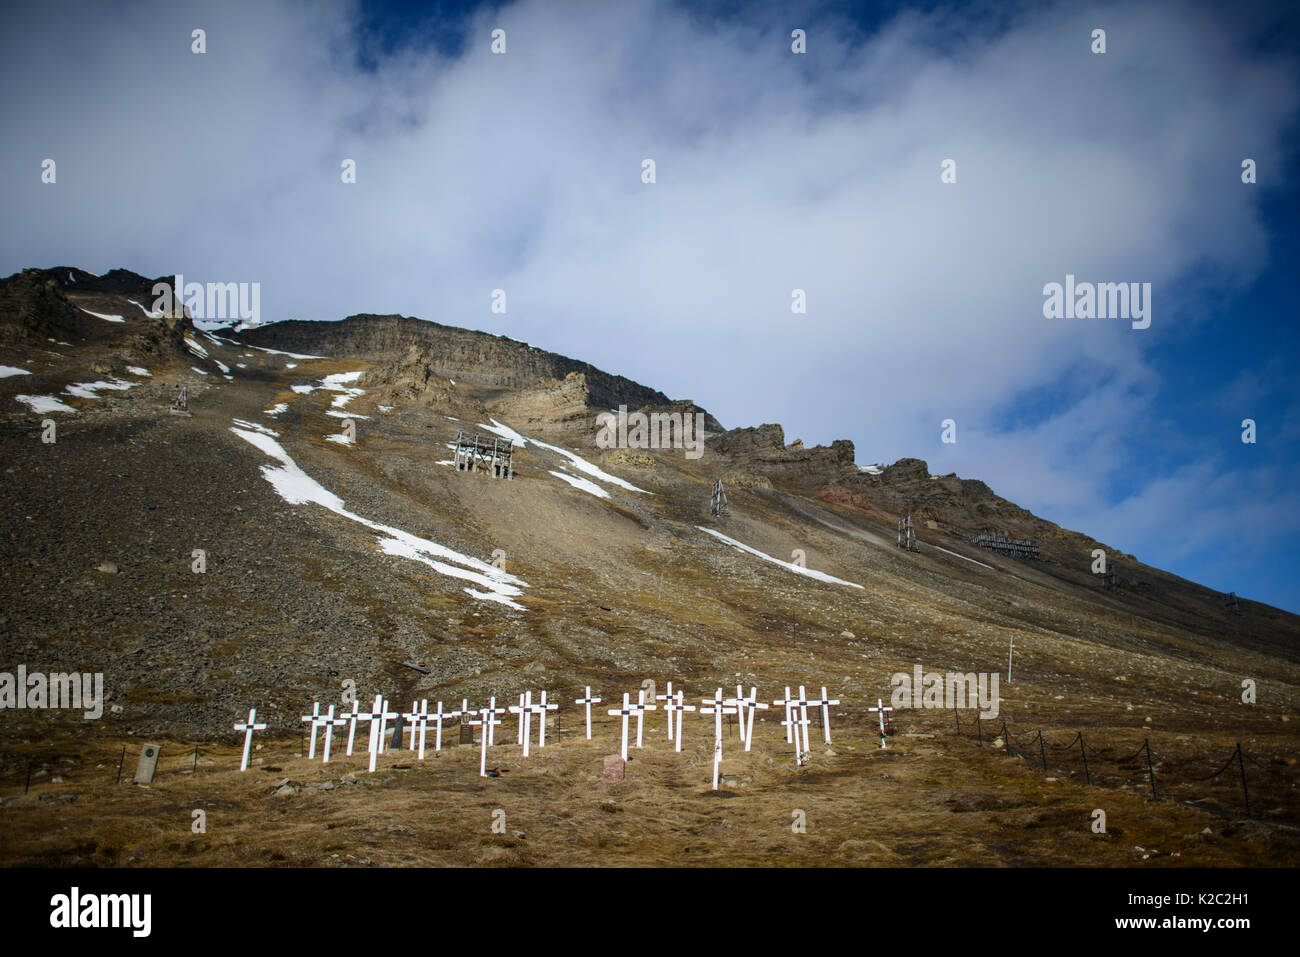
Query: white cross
x,y
588,700
331,723
353,718
881,707
796,718
248,728
521,710
378,718
788,723
316,722
748,705
438,716
525,711
541,708
826,713
419,718
675,705
717,707
802,705
384,715
487,717
626,711
641,708
667,699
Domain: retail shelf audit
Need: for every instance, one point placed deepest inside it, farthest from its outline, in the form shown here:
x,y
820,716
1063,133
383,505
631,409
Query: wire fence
x,y
1035,748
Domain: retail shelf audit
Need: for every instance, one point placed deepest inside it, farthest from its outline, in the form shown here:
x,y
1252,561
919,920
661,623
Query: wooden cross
x,y
626,712
353,718
331,723
748,705
316,722
881,707
438,716
717,707
378,718
588,700
248,727
674,706
641,708
525,712
521,709
419,719
788,723
541,708
667,698
487,717
825,703
802,703
796,718
384,715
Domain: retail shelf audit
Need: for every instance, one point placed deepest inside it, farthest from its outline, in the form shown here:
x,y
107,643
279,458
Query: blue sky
x,y
775,171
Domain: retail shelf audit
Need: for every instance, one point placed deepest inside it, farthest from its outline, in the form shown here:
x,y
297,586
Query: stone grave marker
x,y
147,765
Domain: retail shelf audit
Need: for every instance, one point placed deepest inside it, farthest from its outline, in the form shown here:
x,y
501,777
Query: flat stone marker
x,y
614,767
147,765
466,732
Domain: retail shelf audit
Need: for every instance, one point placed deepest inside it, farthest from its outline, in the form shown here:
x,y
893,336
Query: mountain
x,y
328,561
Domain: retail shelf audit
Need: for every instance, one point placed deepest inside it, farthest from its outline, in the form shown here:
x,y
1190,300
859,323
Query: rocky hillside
x,y
311,471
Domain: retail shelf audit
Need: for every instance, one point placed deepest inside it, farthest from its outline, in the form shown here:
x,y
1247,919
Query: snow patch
x,y
583,484
100,315
43,403
6,371
138,370
971,560
198,370
244,424
789,566
277,352
276,409
90,390
298,488
195,348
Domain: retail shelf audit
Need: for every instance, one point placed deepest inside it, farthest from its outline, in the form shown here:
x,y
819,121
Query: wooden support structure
x,y
718,502
1014,547
182,402
906,533
1230,602
480,453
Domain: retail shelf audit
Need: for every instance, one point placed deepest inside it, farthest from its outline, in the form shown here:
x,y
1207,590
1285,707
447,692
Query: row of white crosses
x,y
742,705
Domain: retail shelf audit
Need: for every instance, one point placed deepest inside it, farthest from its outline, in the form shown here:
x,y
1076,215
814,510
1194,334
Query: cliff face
x,y
762,450
461,354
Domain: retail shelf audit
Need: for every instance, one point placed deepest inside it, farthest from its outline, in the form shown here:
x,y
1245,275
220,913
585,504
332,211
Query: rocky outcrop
x,y
552,403
410,376
762,450
460,354
44,304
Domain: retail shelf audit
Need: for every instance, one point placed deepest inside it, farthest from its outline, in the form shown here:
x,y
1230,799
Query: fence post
x,y
1241,763
1042,753
1006,736
195,769
957,714
1083,749
27,786
1146,743
979,730
120,762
